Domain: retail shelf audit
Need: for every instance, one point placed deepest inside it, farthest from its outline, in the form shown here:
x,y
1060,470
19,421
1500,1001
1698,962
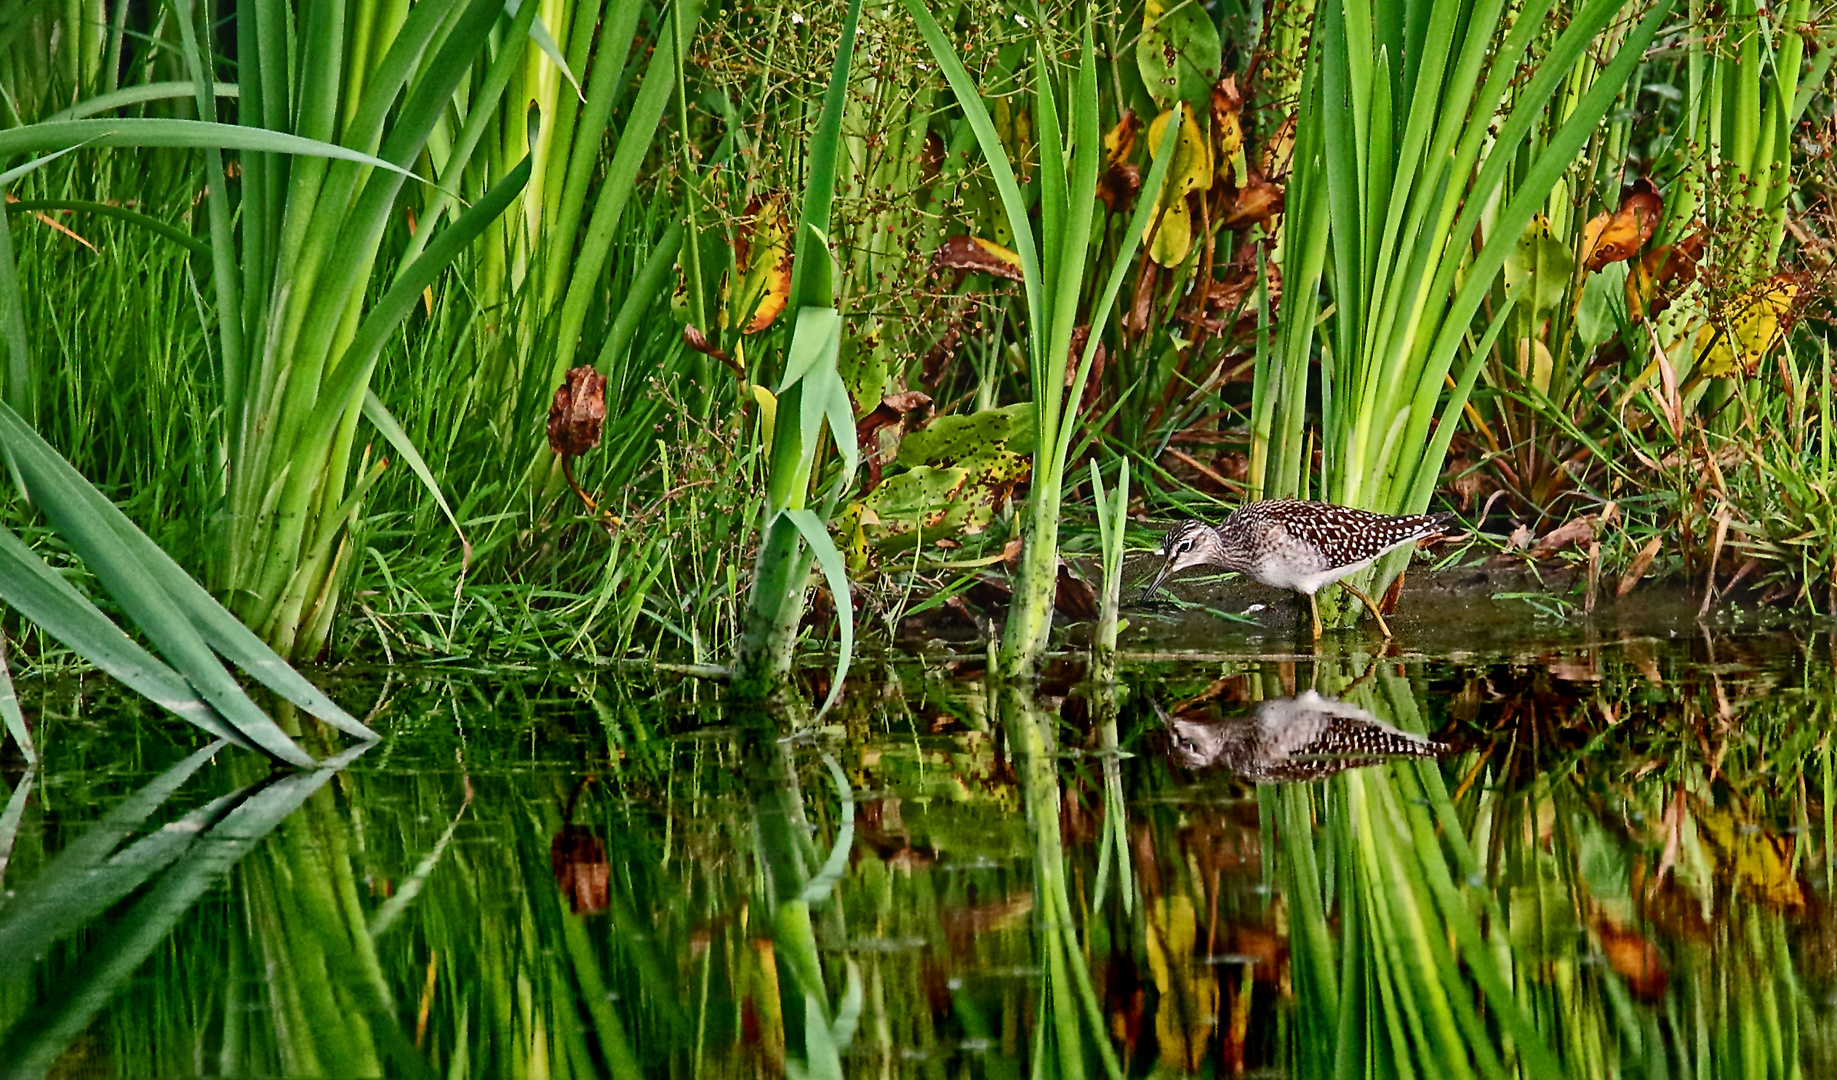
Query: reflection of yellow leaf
x,y
1754,859
1748,329
1191,170
1188,1009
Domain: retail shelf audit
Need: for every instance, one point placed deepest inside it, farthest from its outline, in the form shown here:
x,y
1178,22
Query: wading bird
x,y
1291,544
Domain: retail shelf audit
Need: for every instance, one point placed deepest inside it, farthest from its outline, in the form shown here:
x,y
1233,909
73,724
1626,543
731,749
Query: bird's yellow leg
x,y
1314,610
1383,627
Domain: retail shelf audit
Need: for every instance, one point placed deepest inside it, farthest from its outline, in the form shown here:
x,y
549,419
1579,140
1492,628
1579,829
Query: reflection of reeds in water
x,y
1623,863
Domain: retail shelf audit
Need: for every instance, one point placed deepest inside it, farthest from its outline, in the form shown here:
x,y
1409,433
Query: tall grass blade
x,y
390,429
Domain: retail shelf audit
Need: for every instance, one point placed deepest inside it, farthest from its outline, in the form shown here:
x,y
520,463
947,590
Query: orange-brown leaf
x,y
1611,238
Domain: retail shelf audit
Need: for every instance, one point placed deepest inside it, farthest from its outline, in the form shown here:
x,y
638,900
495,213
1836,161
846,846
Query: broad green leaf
x,y
829,560
1178,52
1546,263
953,439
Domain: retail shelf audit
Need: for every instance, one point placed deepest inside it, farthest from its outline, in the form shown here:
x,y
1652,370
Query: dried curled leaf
x,y
1611,238
583,875
578,412
1255,202
1118,186
980,256
1228,130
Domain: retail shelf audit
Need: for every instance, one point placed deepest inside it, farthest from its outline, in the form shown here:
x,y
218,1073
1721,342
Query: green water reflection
x,y
1606,858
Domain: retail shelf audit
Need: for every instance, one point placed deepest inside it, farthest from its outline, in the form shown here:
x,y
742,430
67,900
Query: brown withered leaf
x,y
1081,336
1094,383
581,871
1118,186
1141,307
975,254
1227,125
937,359
931,162
698,341
762,260
1611,238
907,410
1637,568
1257,201
1073,597
1278,150
1579,531
578,412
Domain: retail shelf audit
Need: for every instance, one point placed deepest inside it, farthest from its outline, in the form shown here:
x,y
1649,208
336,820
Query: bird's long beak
x,y
1167,568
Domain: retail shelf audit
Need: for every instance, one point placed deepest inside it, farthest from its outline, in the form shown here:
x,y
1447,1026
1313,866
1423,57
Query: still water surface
x,y
1589,855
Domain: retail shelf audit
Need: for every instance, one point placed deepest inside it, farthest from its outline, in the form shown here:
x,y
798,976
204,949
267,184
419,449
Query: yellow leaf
x,y
1535,363
1747,330
1188,1007
762,258
768,412
1119,143
1191,170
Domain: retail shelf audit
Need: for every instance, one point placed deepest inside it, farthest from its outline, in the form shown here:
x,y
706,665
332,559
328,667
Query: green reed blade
x,y
977,115
139,94
42,595
121,213
195,134
816,534
1510,223
811,284
390,429
129,567
635,141
616,34
353,373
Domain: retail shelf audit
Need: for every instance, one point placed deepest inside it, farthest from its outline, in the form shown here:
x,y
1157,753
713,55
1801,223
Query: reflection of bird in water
x,y
1298,738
